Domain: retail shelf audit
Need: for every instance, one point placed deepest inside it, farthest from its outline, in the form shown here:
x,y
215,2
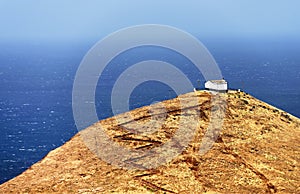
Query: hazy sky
x,y
88,19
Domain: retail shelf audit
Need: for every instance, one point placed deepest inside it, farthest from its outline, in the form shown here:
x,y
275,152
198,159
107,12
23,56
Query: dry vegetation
x,y
257,151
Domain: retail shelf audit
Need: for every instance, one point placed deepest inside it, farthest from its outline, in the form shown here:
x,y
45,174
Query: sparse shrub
x,y
245,101
286,116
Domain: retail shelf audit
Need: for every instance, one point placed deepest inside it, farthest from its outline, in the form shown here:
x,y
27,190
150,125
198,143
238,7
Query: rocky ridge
x,y
257,151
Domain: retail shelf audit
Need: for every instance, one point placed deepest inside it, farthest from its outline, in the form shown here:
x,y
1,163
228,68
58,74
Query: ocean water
x,y
36,81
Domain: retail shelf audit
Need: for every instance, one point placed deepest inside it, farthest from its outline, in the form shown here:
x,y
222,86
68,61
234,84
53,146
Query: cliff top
x,y
257,150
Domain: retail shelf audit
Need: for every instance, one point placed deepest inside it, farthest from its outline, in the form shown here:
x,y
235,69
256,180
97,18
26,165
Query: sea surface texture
x,y
36,81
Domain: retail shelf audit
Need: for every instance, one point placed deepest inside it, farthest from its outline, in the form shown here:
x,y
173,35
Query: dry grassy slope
x,y
257,152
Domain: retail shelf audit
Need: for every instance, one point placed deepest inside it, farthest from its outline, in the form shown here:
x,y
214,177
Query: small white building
x,y
216,85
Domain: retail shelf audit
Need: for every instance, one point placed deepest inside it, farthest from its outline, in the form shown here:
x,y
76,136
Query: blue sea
x,y
36,80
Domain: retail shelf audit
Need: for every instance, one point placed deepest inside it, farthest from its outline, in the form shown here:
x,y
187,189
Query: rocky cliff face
x,y
257,151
